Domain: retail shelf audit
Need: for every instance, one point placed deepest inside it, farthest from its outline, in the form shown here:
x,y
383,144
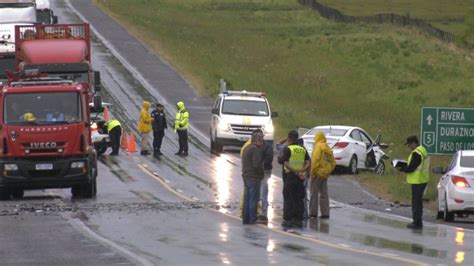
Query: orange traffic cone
x,y
124,142
131,143
106,114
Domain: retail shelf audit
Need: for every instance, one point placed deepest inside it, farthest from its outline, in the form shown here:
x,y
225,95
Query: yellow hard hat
x,y
29,117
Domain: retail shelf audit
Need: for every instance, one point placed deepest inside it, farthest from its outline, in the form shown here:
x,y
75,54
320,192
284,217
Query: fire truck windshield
x,y
44,108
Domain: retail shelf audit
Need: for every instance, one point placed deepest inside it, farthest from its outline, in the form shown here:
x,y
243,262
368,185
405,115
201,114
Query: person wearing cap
x,y
417,170
159,126
181,126
296,162
252,175
114,128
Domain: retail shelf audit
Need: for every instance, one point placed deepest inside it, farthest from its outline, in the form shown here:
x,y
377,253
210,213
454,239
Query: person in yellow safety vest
x,y
144,128
417,170
296,162
181,126
114,128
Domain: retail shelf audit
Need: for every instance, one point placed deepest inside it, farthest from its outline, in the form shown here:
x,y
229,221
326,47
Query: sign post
x,y
445,130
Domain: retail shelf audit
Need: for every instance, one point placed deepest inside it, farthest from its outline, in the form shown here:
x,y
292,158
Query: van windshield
x,y
242,107
43,108
17,12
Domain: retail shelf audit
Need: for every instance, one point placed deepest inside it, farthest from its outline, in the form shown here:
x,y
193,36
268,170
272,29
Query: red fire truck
x,y
45,136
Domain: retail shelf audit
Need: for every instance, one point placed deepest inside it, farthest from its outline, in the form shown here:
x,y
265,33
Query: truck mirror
x,y
274,114
97,104
55,19
97,81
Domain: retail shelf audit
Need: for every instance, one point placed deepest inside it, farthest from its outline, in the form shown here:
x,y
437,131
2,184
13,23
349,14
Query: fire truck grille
x,y
44,173
243,129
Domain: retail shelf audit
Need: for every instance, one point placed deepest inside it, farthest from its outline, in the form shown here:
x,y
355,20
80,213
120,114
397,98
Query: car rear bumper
x,y
60,176
342,158
456,195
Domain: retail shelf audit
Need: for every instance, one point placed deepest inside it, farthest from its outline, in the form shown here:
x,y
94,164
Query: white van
x,y
236,114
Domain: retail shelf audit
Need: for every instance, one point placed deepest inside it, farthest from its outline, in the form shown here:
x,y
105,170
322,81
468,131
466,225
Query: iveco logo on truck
x,y
43,145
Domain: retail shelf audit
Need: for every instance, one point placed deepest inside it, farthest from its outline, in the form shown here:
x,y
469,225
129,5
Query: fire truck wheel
x,y
4,194
18,193
76,191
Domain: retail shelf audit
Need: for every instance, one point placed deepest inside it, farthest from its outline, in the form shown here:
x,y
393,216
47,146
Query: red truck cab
x,y
45,137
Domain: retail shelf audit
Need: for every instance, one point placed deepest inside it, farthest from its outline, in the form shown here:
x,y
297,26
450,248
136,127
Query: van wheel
x,y
4,193
352,169
218,147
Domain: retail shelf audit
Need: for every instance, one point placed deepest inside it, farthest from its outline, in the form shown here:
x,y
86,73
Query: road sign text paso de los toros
x,y
445,130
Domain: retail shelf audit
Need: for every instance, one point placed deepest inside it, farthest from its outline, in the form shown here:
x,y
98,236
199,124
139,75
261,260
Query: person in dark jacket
x,y
295,161
159,125
267,168
252,174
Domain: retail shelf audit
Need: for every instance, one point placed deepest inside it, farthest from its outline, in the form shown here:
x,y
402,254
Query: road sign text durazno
x,y
445,130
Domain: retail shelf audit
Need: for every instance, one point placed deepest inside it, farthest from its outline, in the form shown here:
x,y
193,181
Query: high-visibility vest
x,y
181,122
112,123
421,173
297,156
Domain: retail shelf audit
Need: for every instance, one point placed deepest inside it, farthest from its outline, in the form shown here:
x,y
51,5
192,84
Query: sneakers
x,y
324,217
178,153
263,218
184,154
260,221
415,226
298,224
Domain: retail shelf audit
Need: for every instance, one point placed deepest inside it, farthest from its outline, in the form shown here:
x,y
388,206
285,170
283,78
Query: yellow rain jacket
x,y
144,122
182,117
322,158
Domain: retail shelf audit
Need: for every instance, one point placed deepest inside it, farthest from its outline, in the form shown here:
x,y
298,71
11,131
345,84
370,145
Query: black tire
x,y
18,193
447,215
4,194
439,214
218,147
380,168
76,191
352,169
101,149
87,190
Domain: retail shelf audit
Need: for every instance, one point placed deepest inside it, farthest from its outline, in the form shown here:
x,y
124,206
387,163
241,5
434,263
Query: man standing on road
x,y
296,161
181,126
322,165
267,150
114,128
144,128
159,126
252,174
417,170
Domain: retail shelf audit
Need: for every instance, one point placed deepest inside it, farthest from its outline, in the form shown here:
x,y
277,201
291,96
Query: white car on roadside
x,y
353,148
456,186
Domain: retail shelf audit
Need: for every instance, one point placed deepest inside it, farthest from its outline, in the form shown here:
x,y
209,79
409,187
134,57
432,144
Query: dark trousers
x,y
115,135
417,202
157,139
183,141
251,197
293,195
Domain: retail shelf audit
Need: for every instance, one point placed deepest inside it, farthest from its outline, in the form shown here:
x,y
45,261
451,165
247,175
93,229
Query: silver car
x,y
456,186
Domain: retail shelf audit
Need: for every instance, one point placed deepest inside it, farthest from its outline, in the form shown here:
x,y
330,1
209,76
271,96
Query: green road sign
x,y
445,130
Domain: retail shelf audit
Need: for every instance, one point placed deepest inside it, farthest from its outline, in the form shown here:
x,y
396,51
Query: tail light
x,y
459,181
341,145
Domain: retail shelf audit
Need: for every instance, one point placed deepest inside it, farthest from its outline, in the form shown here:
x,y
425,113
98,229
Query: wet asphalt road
x,y
184,210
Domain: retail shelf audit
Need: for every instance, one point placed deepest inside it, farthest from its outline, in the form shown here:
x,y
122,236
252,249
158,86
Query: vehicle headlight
x,y
10,167
223,126
268,128
79,164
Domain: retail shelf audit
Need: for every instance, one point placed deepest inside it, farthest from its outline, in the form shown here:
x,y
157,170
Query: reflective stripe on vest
x,y
111,124
297,156
421,173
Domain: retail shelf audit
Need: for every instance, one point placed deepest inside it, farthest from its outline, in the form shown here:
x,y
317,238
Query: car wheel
x,y
4,193
101,149
447,215
380,168
218,146
18,193
439,214
352,169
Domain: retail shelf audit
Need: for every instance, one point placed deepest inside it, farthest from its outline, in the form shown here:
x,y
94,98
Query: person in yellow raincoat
x,y
322,165
144,128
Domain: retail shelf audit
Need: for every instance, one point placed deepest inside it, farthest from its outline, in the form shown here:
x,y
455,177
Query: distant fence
x,y
334,14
